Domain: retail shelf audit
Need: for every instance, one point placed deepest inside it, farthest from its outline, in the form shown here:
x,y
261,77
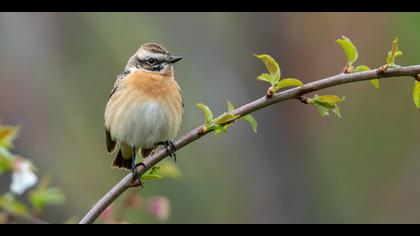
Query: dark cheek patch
x,y
157,68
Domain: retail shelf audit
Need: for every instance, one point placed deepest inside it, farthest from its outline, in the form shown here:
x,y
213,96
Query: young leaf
x,y
5,165
349,49
289,82
170,170
208,115
416,93
225,118
322,110
230,106
7,135
248,118
6,160
6,154
41,198
272,66
9,203
146,176
218,129
266,77
375,83
361,68
336,110
325,103
394,53
251,121
151,174
328,101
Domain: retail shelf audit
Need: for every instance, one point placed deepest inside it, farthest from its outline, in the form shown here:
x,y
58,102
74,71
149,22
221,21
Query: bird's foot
x,y
137,179
169,147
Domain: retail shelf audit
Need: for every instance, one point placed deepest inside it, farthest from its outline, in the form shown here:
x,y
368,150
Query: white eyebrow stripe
x,y
145,54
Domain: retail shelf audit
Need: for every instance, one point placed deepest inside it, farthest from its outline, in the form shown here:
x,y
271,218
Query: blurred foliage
x,y
416,93
22,179
166,169
158,207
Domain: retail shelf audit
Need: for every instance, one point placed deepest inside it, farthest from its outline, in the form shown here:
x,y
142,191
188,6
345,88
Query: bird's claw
x,y
170,148
137,179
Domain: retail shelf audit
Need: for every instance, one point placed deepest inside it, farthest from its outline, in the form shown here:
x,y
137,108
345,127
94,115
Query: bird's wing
x,y
110,143
117,81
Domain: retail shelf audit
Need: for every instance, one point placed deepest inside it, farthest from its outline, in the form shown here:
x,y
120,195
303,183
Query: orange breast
x,y
150,84
161,88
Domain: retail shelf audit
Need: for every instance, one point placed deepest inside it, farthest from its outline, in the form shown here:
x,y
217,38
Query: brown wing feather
x,y
110,144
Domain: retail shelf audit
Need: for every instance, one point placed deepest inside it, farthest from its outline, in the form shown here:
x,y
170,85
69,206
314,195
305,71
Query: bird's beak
x,y
174,59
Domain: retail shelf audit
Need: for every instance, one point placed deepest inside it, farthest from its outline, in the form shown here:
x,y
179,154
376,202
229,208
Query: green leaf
x,y
5,153
272,67
40,198
208,115
230,106
289,82
322,110
328,101
9,203
336,110
6,160
393,54
416,93
375,83
361,68
151,174
248,118
7,135
218,129
225,118
325,103
5,165
170,170
266,77
349,49
251,121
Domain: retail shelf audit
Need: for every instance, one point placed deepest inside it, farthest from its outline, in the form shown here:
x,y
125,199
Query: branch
x,y
294,93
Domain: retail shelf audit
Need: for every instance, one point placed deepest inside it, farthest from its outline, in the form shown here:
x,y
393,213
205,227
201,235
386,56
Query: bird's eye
x,y
151,61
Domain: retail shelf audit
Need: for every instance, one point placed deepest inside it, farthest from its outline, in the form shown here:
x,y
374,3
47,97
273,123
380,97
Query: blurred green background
x,y
57,69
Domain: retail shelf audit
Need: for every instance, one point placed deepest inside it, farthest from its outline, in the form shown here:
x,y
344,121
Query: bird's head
x,y
154,58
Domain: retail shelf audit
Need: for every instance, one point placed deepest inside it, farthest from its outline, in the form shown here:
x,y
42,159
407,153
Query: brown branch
x,y
294,93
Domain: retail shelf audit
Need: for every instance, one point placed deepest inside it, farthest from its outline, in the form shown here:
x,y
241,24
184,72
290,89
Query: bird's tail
x,y
124,158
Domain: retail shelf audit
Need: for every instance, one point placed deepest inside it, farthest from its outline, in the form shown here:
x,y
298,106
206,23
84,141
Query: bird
x,y
145,107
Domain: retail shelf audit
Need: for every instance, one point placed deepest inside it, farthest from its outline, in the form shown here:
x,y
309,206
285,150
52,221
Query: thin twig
x,y
294,93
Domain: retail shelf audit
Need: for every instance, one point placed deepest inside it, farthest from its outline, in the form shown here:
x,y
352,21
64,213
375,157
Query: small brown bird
x,y
145,107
